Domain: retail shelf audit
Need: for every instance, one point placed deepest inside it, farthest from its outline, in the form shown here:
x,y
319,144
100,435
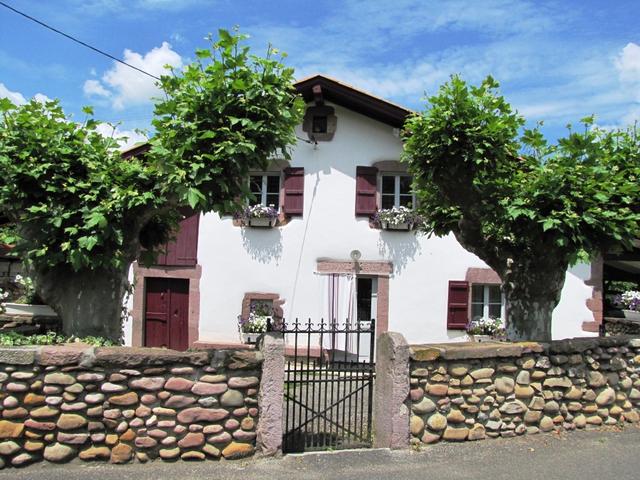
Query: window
x,y
486,302
395,191
319,124
266,188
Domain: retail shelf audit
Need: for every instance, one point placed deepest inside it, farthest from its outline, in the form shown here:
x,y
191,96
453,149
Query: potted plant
x,y
24,300
255,324
486,329
260,216
629,303
397,218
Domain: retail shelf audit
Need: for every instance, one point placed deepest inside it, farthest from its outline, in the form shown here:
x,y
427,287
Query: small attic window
x,y
319,124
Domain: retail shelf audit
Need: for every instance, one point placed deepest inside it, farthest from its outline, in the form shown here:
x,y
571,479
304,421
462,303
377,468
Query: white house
x,y
344,168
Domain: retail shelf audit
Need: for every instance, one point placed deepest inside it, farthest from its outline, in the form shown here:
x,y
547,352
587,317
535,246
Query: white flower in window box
x,y
256,323
260,216
486,329
397,218
629,303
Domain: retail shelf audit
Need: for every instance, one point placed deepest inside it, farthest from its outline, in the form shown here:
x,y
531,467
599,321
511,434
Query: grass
x,y
12,339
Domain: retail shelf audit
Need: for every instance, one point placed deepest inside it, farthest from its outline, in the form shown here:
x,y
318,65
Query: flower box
x,y
261,222
406,226
631,315
397,218
629,303
250,338
482,338
29,309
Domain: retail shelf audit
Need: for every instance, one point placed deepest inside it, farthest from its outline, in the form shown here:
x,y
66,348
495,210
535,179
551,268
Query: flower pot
x,y
631,315
29,309
261,222
397,226
250,338
481,338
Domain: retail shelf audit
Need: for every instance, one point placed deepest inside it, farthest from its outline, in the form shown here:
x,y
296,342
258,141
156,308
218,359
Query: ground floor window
x,y
486,302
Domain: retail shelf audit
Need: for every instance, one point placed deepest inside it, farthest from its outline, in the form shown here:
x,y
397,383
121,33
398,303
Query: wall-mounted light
x,y
356,255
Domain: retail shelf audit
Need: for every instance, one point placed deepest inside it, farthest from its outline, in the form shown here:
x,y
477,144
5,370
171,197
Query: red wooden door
x,y
167,313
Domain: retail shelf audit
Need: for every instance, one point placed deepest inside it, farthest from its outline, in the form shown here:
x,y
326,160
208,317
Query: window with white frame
x,y
395,191
486,302
266,188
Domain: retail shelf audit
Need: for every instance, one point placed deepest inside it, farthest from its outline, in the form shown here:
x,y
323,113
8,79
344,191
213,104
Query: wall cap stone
x,y
86,356
470,350
18,355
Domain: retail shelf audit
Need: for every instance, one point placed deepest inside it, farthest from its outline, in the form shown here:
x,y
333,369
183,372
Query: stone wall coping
x,y
470,350
86,356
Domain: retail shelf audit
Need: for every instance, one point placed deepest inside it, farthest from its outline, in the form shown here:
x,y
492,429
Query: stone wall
x,y
118,404
474,391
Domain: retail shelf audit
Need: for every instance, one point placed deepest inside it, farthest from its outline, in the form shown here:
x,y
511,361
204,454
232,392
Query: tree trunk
x,y
89,302
531,297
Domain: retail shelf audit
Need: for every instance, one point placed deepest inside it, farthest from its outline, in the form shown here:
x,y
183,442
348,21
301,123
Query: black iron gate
x,y
329,376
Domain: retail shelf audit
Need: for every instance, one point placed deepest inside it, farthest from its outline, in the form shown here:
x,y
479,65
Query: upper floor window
x,y
319,124
395,191
266,188
486,301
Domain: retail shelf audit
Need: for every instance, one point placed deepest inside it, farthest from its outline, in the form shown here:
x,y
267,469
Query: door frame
x,y
193,274
380,269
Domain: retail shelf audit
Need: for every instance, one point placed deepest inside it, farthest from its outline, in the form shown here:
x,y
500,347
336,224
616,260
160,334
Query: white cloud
x,y
628,65
18,98
127,87
93,88
111,131
15,97
41,97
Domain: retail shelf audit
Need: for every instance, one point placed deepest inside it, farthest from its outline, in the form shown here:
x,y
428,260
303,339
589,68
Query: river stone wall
x,y
473,391
118,404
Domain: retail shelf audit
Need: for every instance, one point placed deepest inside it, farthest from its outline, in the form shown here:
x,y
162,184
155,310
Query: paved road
x,y
579,456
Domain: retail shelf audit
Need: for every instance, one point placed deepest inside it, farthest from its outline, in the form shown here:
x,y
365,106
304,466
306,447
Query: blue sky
x,y
557,61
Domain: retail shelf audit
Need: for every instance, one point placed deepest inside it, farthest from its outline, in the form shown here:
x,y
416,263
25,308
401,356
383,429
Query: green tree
x,y
528,208
81,213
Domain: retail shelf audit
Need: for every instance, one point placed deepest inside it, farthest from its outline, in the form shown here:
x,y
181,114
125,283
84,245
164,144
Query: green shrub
x,y
12,339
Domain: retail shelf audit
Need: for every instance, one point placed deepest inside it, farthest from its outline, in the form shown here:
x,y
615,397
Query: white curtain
x,y
340,307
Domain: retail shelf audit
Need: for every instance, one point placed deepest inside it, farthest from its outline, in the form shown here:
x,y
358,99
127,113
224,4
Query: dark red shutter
x,y
366,188
458,305
183,251
293,190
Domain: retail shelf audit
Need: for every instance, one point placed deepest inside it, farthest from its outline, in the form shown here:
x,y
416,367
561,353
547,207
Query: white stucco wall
x,y
283,260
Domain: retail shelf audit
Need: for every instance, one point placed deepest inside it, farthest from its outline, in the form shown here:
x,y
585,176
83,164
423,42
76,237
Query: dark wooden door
x,y
167,313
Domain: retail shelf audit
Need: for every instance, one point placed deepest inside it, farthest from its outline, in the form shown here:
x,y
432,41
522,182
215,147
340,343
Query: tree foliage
x,y
223,116
81,212
527,207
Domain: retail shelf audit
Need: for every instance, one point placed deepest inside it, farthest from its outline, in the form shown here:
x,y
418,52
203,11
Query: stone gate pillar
x,y
391,413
